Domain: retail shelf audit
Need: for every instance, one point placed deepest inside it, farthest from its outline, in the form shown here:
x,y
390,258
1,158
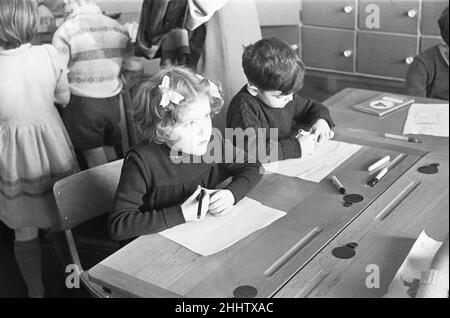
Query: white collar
x,y
15,51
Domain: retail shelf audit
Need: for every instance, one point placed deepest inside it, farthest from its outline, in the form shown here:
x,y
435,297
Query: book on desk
x,y
383,104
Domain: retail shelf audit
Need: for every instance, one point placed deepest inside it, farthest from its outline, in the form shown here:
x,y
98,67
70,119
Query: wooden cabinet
x,y
385,55
431,11
338,13
426,42
331,49
398,16
335,36
288,33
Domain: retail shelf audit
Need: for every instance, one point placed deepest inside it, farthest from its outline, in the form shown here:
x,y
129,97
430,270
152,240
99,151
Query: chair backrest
x,y
86,195
81,197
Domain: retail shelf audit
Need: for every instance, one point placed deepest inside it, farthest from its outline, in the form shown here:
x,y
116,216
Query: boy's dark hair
x,y
443,25
272,65
18,22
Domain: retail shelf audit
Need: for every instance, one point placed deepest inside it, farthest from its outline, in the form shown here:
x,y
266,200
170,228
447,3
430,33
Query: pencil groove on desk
x,y
292,251
391,206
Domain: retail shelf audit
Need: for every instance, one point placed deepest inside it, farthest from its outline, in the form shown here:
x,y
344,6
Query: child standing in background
x,y
156,191
35,149
428,74
93,46
270,101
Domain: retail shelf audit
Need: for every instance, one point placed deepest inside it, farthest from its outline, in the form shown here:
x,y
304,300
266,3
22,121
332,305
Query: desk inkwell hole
x,y
350,199
345,252
245,292
430,169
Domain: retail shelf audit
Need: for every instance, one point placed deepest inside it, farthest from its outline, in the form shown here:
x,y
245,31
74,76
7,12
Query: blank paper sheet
x,y
327,156
215,233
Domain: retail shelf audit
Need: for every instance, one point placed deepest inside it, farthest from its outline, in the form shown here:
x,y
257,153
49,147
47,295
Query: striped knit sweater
x,y
94,47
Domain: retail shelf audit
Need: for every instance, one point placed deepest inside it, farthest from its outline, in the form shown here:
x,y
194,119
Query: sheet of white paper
x,y
327,156
213,234
427,119
406,282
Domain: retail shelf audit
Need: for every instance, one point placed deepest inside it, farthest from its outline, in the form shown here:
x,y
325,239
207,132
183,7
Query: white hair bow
x,y
214,89
167,95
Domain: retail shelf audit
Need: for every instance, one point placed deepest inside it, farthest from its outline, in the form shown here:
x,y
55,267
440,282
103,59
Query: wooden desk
x,y
153,266
383,243
368,129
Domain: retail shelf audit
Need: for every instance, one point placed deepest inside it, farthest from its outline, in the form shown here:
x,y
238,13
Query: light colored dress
x,y
35,150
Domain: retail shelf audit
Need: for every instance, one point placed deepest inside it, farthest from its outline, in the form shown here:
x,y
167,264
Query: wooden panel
x,y
426,42
324,48
329,13
384,54
393,15
384,243
279,12
431,11
312,208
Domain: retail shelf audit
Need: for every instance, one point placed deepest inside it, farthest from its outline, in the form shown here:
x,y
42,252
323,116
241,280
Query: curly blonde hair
x,y
154,121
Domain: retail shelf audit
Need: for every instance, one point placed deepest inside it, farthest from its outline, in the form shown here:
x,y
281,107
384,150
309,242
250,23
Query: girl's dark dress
x,y
152,187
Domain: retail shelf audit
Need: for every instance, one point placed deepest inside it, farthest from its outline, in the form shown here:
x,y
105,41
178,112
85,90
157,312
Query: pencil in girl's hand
x,y
200,200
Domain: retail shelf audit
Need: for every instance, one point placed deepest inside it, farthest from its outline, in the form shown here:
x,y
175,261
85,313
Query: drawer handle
x,y
348,9
348,53
409,60
412,13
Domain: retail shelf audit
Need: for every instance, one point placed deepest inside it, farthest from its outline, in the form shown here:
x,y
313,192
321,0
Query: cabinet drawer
x,y
431,11
290,34
426,42
395,15
324,48
385,54
329,13
279,12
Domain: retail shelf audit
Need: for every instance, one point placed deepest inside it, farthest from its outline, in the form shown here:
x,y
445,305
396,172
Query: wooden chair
x,y
83,197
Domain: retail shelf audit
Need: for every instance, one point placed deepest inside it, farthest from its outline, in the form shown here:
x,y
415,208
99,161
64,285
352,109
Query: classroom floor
x,y
317,86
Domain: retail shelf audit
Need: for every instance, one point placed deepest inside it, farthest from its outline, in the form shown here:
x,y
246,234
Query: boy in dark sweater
x,y
428,74
270,101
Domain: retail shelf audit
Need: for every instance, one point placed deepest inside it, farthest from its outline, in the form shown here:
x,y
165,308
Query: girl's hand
x,y
221,202
308,144
190,206
322,130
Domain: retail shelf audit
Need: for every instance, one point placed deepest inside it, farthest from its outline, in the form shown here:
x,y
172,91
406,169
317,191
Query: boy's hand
x,y
308,144
322,130
221,202
190,206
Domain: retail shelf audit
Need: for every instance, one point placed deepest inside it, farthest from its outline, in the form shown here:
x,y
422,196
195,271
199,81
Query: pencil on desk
x,y
403,138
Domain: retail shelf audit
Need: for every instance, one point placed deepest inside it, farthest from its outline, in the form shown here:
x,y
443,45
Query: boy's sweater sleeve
x,y
308,111
127,220
241,115
417,79
61,42
245,174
